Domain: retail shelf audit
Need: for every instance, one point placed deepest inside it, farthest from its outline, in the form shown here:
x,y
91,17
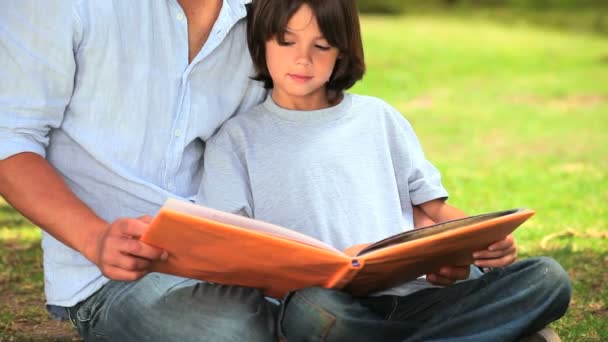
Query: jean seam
x,y
70,318
395,303
323,312
174,286
281,316
86,319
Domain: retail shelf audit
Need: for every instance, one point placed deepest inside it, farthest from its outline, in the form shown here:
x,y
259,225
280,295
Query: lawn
x,y
514,115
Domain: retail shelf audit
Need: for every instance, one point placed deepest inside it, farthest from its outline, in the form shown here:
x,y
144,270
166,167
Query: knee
x,y
239,313
188,310
551,280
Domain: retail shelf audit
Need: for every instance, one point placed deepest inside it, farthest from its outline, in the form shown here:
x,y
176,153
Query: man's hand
x,y
120,255
499,254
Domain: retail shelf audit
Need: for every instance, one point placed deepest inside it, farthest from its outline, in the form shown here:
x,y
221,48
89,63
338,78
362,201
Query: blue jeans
x,y
501,305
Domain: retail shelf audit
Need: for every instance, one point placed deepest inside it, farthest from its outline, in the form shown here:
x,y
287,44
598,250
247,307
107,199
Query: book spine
x,y
346,274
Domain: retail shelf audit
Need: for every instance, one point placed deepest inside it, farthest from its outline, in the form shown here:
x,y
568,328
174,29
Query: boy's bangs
x,y
330,18
325,13
280,17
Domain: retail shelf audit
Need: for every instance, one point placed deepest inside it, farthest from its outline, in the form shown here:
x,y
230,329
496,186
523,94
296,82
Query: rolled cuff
x,y
420,197
11,147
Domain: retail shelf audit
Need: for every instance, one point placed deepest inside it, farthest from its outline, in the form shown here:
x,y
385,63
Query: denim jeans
x,y
502,305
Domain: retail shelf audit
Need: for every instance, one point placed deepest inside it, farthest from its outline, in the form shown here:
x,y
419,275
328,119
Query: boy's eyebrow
x,y
288,31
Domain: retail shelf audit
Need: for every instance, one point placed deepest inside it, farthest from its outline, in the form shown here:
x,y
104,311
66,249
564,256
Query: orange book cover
x,y
224,248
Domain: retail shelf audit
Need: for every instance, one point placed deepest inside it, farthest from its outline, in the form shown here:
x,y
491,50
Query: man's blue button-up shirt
x,y
104,90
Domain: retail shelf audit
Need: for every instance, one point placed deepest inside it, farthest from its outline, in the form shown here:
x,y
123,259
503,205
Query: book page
x,y
434,229
244,222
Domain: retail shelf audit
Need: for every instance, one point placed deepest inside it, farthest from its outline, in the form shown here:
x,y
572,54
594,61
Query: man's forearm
x,y
33,187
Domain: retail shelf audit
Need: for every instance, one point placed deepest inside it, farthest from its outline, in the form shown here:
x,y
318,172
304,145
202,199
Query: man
x,y
104,110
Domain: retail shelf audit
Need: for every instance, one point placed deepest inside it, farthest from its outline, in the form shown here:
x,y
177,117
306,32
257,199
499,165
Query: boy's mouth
x,y
300,77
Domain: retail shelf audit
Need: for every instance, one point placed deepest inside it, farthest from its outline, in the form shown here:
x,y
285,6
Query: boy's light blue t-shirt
x,y
345,175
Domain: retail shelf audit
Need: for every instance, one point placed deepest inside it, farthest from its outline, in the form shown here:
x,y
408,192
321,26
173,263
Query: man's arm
x,y
38,41
33,187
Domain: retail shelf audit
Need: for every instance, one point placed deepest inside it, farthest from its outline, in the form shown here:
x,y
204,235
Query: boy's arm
x,y
439,211
499,254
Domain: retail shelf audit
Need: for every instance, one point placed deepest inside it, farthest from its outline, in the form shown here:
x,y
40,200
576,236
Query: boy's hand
x,y
499,254
448,275
120,255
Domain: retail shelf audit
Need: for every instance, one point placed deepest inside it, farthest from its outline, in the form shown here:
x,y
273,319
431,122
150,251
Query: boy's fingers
x,y
506,243
455,272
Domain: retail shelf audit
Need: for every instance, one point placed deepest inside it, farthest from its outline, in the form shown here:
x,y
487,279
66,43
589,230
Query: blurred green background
x,y
510,101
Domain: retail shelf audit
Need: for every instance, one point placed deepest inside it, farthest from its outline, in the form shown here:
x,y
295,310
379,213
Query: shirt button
x,y
180,16
177,132
171,186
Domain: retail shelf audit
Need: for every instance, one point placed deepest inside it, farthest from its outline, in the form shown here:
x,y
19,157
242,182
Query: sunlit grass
x,y
22,234
513,116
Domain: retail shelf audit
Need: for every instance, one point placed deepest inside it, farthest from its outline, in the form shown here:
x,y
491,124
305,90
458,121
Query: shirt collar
x,y
236,8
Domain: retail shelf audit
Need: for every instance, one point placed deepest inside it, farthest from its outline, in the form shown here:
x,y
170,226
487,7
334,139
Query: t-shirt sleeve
x,y
415,174
37,40
225,184
424,178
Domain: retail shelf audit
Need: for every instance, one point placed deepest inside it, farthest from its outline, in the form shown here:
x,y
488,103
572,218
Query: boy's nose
x,y
303,61
303,57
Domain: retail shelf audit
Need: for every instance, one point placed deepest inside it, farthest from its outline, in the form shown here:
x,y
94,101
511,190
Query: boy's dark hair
x,y
338,21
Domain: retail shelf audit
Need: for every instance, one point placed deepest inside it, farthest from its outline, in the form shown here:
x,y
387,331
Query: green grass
x,y
513,115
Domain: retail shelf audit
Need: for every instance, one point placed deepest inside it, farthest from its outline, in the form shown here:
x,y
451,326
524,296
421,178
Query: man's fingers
x,y
132,228
142,250
128,240
130,263
145,219
116,273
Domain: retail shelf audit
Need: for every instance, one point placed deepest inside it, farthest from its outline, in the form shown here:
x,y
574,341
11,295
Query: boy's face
x,y
301,67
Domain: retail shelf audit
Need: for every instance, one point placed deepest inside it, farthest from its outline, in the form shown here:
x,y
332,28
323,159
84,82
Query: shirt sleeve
x,y
37,68
415,173
225,185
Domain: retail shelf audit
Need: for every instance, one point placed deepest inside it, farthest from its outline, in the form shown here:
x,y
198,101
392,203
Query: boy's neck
x,y
304,103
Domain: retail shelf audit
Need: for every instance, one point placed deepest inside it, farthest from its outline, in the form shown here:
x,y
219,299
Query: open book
x,y
224,248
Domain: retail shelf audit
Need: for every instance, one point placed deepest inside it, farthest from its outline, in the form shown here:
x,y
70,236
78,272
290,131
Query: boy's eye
x,y
322,47
284,43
